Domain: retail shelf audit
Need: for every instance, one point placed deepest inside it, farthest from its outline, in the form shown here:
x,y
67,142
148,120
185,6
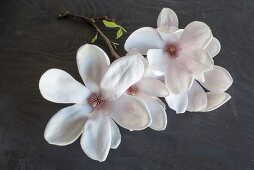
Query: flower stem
x,y
92,22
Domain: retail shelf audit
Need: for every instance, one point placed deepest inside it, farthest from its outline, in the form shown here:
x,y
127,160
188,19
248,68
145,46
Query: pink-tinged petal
x,y
115,135
215,100
67,124
158,60
152,86
196,62
92,63
160,102
122,73
60,87
196,34
158,113
144,39
197,99
213,47
167,17
129,112
178,103
178,80
96,138
217,80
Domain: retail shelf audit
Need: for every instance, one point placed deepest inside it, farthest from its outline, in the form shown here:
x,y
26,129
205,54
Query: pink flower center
x,y
132,91
95,100
172,50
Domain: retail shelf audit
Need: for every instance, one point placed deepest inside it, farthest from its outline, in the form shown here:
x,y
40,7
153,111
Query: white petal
x,y
149,72
96,138
115,135
67,124
60,87
158,113
132,51
160,102
92,62
215,100
152,86
171,38
166,29
213,47
178,103
167,17
217,80
197,99
177,78
196,34
122,73
130,113
144,39
145,62
158,60
200,77
196,62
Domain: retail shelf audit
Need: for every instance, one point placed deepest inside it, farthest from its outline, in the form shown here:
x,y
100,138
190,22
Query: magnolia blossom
x,y
167,22
216,81
148,89
180,54
98,104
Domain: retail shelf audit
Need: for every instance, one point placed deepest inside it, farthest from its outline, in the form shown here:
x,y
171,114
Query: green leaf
x,y
115,45
110,24
123,29
94,38
119,33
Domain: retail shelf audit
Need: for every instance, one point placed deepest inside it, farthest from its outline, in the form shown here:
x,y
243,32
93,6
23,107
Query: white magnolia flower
x,y
167,22
149,89
180,54
96,104
216,81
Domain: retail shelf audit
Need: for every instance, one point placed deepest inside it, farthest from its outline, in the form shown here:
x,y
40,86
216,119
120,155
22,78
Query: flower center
x,y
132,91
95,100
172,50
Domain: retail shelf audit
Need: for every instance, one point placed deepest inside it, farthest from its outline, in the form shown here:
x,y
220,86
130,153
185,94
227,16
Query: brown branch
x,y
91,21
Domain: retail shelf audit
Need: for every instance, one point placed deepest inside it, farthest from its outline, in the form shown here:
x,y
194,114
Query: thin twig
x,y
91,21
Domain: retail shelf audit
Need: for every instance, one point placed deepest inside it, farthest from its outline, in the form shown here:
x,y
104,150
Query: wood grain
x,y
32,41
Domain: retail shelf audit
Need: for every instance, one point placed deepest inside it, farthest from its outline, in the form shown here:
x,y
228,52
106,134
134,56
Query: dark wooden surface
x,y
32,41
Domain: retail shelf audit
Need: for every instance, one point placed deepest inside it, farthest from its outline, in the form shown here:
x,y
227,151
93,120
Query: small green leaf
x,y
115,45
110,24
123,29
94,38
119,33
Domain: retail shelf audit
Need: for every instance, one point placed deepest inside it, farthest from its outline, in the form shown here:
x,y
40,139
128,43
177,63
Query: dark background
x,y
32,41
